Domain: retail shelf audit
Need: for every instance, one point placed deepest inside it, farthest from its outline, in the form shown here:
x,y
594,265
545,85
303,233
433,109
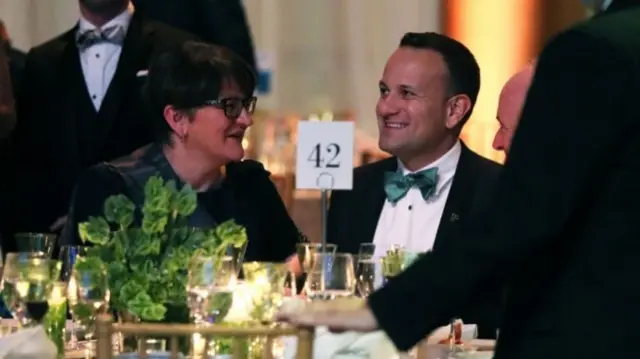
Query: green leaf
x,y
186,201
95,231
120,210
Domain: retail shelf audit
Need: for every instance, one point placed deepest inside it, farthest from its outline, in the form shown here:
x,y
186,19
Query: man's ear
x,y
458,107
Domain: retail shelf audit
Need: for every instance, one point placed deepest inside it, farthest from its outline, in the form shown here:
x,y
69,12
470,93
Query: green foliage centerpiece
x,y
147,264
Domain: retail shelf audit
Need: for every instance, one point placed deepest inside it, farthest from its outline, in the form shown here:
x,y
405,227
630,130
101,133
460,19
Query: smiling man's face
x,y
412,106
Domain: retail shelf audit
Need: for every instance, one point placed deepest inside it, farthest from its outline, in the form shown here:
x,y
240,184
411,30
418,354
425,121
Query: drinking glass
x,y
332,276
10,278
210,284
69,255
366,250
266,280
34,284
305,252
88,294
36,242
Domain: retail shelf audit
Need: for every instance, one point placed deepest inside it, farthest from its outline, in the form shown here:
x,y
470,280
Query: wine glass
x,y
88,293
366,250
36,242
332,276
210,288
11,275
34,283
69,254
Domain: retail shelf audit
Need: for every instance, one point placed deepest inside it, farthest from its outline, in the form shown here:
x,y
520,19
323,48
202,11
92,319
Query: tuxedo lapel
x,y
370,200
134,57
460,197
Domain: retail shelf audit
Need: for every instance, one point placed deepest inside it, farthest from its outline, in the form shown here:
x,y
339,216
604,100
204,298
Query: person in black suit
x,y
80,104
427,93
562,230
201,101
220,22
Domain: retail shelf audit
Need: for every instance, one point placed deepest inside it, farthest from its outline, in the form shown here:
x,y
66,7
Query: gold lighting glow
x,y
502,36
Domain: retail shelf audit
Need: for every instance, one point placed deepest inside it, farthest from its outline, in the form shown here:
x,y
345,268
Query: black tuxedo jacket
x,y
353,218
220,22
59,133
563,228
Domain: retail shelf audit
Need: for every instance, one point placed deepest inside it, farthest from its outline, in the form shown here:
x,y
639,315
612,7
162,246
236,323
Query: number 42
x,y
333,149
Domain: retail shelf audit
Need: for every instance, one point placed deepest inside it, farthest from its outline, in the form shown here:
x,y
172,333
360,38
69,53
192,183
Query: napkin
x,y
31,343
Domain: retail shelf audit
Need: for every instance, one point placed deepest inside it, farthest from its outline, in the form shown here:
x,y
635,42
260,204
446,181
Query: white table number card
x,y
324,158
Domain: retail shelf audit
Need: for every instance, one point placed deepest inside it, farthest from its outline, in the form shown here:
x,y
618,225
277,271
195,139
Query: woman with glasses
x,y
200,102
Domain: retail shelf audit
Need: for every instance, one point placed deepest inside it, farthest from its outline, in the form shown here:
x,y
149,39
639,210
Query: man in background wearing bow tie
x,y
80,104
417,198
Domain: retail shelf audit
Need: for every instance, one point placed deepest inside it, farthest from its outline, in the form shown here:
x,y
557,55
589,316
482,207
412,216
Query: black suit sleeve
x,y
571,128
91,191
224,23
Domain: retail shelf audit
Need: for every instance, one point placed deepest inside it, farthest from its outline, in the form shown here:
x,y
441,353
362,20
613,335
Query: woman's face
x,y
214,134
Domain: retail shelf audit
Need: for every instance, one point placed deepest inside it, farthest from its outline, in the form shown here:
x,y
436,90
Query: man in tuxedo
x,y
510,105
418,198
80,104
220,22
563,228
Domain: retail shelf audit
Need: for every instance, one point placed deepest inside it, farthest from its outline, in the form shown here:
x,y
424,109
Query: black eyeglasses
x,y
232,107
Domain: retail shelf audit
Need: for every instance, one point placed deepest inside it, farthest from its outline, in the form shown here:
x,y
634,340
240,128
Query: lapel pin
x,y
454,217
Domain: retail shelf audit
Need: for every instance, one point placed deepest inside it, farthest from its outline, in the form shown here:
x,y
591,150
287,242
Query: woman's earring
x,y
183,137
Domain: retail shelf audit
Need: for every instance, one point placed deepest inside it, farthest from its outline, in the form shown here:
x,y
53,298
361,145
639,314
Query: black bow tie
x,y
113,34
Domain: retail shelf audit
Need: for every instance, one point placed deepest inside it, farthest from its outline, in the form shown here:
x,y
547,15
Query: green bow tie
x,y
396,185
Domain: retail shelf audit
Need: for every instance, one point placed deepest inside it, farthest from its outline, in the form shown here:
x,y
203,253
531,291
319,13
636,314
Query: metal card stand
x,y
325,182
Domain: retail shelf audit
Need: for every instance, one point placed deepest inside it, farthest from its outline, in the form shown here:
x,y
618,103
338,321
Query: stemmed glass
x,y
210,288
69,255
10,279
88,293
35,281
332,276
366,269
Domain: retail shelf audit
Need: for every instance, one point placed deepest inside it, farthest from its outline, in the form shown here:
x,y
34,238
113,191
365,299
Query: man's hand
x,y
338,315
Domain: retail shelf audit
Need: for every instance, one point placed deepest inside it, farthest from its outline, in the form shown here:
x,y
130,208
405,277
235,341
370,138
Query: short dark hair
x,y
188,76
464,72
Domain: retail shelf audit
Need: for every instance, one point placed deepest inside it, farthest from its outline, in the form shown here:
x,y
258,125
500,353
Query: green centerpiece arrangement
x,y
147,264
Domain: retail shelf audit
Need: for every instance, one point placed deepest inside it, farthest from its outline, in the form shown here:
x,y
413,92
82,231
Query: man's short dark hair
x,y
464,72
187,77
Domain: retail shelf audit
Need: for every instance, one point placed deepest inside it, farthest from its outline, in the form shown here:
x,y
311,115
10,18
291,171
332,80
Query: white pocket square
x,y
142,73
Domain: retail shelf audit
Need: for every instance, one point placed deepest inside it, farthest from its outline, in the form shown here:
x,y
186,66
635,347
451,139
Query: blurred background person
x,y
80,105
510,106
220,22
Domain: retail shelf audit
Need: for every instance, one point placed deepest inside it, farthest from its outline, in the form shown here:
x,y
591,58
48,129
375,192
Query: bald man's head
x,y
510,105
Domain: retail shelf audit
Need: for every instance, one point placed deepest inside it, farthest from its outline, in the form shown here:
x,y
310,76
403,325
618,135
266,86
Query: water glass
x,y
331,276
88,294
210,283
305,252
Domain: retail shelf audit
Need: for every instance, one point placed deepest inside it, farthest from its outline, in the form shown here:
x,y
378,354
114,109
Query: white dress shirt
x,y
413,222
99,62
